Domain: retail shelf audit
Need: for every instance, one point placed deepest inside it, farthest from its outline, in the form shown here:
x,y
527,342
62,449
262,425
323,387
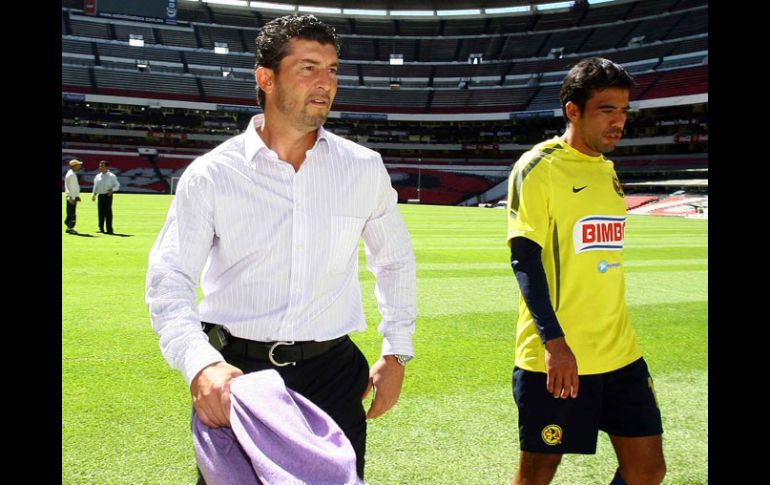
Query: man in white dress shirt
x,y
273,218
72,194
105,183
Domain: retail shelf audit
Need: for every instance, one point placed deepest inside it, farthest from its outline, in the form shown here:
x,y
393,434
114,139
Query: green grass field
x,y
125,413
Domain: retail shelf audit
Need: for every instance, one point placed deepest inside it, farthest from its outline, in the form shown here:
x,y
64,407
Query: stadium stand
x,y
478,114
634,201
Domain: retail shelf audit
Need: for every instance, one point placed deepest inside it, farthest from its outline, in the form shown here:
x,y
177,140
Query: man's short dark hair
x,y
105,163
273,41
589,75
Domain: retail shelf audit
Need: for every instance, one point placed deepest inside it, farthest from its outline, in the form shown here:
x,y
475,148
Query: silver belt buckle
x,y
272,359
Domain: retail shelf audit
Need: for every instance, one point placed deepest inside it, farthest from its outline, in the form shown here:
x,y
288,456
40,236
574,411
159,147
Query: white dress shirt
x,y
280,250
71,185
104,182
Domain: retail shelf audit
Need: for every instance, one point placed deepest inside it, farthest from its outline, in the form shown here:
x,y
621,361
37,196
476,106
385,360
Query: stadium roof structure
x,y
406,7
415,4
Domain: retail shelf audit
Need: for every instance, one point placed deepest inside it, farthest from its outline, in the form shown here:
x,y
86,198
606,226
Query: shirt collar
x,y
578,153
254,143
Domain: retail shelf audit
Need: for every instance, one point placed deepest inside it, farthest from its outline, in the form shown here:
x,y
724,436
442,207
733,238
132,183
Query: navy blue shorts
x,y
620,403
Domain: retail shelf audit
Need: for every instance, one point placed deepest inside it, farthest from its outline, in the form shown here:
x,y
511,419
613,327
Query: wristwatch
x,y
403,359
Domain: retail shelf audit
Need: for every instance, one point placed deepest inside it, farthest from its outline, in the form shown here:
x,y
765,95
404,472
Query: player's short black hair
x,y
273,41
589,75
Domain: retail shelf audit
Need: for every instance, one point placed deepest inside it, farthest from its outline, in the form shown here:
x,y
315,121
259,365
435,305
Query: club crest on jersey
x,y
595,233
617,187
551,434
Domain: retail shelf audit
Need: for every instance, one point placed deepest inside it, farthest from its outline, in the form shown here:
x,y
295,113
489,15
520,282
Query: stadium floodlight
x,y
364,11
411,13
397,59
142,65
469,11
136,40
272,6
235,3
221,48
308,9
524,8
553,6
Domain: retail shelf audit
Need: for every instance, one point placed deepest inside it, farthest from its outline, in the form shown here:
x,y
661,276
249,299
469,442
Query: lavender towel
x,y
277,437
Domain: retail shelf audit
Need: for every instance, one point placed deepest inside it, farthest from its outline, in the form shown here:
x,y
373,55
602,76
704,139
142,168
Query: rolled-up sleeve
x,y
390,258
173,272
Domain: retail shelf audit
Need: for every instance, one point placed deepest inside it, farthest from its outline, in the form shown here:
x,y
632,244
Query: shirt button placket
x,y
295,288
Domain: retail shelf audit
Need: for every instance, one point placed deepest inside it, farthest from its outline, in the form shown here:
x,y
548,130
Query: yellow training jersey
x,y
571,204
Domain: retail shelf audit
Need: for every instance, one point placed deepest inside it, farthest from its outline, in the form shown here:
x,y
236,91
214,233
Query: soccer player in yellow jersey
x,y
578,367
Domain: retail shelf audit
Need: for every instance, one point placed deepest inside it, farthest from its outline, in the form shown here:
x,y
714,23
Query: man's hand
x,y
210,391
93,198
386,377
561,368
71,201
109,193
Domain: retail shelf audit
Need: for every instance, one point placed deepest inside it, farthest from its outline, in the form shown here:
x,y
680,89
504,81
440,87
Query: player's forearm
x,y
530,274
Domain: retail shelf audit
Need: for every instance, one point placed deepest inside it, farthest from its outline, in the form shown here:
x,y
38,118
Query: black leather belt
x,y
277,353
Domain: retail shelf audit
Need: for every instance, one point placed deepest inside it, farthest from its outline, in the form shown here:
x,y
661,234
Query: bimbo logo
x,y
594,233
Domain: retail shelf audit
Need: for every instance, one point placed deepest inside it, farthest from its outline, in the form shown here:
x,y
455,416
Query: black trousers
x,y
105,211
71,218
333,381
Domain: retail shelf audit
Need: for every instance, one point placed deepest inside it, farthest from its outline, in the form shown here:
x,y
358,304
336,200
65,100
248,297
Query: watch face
x,y
403,359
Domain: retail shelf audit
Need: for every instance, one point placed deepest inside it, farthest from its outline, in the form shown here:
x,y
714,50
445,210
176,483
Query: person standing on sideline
x,y
578,367
275,215
72,194
105,183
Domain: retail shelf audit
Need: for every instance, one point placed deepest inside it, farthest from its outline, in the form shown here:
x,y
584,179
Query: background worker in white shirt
x,y
72,194
105,183
275,215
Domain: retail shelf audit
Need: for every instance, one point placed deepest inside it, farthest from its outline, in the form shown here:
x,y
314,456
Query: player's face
x,y
306,83
599,125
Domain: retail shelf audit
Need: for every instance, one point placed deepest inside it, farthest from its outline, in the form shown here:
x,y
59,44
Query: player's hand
x,y
561,369
210,391
93,198
386,377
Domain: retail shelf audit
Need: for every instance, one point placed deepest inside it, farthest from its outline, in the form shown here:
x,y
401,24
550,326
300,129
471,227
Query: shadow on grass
x,y
75,233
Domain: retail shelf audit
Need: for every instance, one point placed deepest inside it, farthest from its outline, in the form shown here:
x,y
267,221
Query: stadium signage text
x,y
549,113
364,116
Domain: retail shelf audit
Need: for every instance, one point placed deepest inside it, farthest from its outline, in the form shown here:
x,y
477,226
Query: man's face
x,y
306,84
600,125
76,168
103,168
